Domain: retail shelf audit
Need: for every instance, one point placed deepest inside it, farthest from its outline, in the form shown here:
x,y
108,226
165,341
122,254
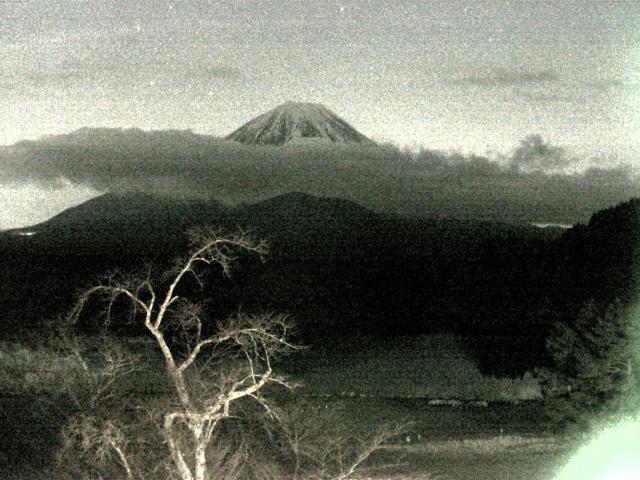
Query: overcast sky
x,y
473,76
447,75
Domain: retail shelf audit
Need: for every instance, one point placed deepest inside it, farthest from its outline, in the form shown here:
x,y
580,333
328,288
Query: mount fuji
x,y
294,122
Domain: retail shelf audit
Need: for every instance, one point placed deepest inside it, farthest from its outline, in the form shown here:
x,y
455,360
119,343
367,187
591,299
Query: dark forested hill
x,y
337,267
600,260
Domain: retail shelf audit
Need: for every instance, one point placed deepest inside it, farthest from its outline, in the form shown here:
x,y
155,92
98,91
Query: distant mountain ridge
x,y
118,218
294,122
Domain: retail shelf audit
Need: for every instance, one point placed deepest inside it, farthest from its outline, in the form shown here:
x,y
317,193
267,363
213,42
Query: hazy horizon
x,y
536,182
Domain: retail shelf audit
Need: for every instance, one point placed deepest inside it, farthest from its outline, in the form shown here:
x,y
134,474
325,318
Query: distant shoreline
x,y
565,226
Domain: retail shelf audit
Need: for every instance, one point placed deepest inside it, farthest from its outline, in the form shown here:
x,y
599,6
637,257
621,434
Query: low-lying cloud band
x,y
538,182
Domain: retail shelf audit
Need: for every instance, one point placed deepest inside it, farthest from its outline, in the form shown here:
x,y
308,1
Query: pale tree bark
x,y
255,338
325,447
189,424
123,460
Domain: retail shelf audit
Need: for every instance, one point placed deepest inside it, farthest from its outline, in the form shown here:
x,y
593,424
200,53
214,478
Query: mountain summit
x,y
294,122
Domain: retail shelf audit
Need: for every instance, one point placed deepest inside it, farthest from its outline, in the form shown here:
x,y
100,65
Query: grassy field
x,y
490,458
428,366
503,441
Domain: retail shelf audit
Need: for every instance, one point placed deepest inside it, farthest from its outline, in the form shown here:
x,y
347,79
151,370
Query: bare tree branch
x,y
252,337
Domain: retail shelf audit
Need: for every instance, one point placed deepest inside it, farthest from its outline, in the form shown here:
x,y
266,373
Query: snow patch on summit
x,y
298,123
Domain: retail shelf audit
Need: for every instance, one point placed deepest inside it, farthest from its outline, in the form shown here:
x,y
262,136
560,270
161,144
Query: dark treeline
x,y
340,269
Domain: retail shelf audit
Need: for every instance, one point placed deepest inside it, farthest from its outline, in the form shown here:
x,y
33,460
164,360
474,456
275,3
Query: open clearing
x,y
503,441
491,458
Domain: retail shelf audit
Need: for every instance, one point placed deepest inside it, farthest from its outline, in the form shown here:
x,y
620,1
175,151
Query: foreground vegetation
x,y
504,440
46,384
212,413
436,438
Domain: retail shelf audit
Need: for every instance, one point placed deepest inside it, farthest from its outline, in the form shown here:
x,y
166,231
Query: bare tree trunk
x,y
201,457
257,337
176,452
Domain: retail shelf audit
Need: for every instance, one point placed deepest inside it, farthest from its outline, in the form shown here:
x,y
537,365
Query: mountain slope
x,y
331,261
126,223
134,209
297,122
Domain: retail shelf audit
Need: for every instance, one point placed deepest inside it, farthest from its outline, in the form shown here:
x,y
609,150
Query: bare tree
x,y
242,347
326,446
101,440
212,370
